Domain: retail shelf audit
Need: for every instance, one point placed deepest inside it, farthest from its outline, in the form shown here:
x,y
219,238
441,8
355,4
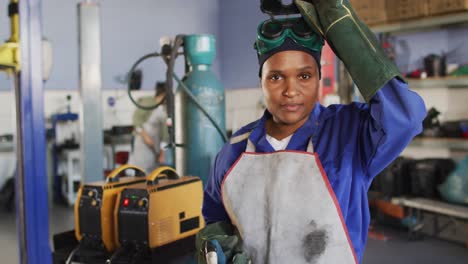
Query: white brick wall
x,y
458,104
55,102
7,113
242,105
451,102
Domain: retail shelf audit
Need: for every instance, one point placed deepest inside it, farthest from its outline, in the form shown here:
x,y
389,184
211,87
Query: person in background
x,y
150,134
292,186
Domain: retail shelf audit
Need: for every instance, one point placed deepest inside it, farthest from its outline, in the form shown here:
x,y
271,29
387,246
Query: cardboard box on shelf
x,y
398,10
371,12
437,7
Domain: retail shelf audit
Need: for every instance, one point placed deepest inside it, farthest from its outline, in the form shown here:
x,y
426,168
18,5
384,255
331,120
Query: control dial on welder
x,y
96,202
143,202
92,193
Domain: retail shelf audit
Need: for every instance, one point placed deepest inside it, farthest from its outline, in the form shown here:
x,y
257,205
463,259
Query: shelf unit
x,y
422,23
450,143
447,82
427,23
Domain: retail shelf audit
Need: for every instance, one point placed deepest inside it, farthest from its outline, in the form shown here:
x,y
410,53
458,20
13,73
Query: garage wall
x,y
130,29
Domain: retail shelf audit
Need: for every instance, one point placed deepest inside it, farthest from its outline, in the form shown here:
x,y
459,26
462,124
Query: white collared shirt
x,y
278,144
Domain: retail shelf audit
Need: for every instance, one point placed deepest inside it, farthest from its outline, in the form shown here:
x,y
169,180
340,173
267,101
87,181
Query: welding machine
x,y
164,210
94,208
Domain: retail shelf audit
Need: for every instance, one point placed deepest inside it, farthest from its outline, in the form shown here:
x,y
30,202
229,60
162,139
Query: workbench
x,y
444,215
179,252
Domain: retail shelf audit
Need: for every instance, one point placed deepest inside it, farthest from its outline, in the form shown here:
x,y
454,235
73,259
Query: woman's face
x,y
290,82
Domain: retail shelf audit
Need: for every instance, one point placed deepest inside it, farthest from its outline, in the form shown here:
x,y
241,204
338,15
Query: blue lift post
x,y
32,207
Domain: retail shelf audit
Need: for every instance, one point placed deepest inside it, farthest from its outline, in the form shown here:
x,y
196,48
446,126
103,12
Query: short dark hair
x,y
160,88
289,44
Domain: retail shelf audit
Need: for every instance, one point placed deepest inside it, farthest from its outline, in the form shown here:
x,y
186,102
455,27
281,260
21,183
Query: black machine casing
x,y
133,219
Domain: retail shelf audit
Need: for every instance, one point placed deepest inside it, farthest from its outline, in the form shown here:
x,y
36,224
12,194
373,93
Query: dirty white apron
x,y
285,209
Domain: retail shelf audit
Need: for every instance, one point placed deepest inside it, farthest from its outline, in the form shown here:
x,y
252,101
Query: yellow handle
x,y
115,174
164,171
14,22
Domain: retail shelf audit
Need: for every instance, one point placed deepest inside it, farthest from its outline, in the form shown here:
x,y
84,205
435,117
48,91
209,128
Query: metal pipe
x,y
91,143
32,204
180,102
19,181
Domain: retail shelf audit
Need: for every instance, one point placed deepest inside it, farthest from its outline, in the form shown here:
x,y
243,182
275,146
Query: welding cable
x,y
170,73
169,96
129,91
72,254
195,101
137,256
115,255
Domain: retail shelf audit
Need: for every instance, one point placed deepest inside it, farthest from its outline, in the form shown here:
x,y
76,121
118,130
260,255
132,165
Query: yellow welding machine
x,y
165,209
95,205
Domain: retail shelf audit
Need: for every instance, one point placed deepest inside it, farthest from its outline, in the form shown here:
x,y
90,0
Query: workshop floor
x,y
61,219
397,249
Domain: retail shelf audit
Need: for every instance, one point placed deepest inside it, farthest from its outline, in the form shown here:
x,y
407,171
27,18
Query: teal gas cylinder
x,y
202,141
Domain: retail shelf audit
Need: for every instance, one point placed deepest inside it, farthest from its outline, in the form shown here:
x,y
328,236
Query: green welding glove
x,y
227,238
352,41
241,258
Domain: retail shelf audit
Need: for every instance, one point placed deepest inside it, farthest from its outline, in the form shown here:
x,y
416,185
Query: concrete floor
x,y
397,249
61,219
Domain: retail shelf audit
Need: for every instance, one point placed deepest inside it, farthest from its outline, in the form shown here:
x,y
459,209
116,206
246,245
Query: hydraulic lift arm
x,y
9,51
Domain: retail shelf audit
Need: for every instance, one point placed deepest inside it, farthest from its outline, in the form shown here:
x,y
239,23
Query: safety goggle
x,y
272,33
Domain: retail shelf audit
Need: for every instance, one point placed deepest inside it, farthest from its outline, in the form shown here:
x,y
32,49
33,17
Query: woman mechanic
x,y
292,186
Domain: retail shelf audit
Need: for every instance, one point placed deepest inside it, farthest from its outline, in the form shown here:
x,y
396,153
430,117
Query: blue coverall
x,y
354,142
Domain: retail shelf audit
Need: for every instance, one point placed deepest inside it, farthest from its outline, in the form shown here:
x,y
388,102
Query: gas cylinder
x,y
201,140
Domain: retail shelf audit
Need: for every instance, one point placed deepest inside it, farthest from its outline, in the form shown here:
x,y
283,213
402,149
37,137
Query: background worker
x,y
292,186
150,132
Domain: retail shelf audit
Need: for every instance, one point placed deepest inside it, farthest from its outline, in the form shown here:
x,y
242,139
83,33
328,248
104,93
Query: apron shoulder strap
x,y
239,138
310,147
250,146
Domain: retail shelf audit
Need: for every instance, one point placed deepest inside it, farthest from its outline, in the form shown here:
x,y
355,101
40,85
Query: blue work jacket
x,y
354,142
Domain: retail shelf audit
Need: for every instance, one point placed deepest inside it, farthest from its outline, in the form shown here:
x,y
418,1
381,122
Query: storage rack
x,y
422,23
453,144
429,23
